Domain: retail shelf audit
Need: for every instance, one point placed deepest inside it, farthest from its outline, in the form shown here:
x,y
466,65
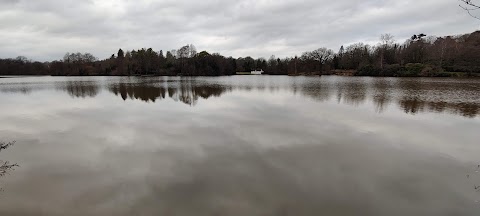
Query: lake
x,y
240,145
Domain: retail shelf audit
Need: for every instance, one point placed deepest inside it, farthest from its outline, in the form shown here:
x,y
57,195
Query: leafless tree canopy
x,y
321,55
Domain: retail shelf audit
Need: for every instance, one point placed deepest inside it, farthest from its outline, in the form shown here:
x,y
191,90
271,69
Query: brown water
x,y
240,145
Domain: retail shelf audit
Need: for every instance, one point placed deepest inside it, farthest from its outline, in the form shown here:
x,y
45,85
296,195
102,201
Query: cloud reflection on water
x,y
239,146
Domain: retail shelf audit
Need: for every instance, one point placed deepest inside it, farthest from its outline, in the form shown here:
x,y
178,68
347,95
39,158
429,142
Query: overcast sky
x,y
47,29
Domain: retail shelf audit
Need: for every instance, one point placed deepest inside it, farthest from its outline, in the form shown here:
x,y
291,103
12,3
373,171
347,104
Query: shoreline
x,y
459,76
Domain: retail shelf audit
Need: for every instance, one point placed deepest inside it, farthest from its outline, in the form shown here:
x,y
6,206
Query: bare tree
x,y
320,55
183,52
187,51
469,6
387,41
193,51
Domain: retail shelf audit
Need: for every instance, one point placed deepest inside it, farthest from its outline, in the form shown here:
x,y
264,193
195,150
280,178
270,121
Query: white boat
x,y
257,72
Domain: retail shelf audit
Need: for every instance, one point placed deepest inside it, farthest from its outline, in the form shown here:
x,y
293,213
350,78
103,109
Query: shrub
x,y
413,69
431,70
368,70
393,70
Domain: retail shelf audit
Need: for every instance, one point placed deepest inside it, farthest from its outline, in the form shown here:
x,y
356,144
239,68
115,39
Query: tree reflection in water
x,y
187,93
80,89
411,95
382,94
418,96
416,105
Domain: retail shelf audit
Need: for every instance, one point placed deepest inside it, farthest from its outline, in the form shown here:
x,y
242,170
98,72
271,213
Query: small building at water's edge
x,y
255,72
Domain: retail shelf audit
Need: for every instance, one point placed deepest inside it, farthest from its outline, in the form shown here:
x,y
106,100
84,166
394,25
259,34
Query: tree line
x,y
421,55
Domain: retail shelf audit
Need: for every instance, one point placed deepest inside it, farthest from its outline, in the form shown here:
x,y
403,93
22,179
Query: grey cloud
x,y
45,30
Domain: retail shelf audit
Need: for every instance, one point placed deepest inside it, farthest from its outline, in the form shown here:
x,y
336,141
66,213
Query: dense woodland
x,y
421,55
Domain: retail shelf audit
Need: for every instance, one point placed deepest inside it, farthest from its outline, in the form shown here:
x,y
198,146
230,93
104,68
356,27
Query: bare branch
x,y
470,6
5,167
470,3
4,145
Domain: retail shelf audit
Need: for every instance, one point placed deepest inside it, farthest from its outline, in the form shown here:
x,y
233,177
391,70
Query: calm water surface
x,y
240,145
